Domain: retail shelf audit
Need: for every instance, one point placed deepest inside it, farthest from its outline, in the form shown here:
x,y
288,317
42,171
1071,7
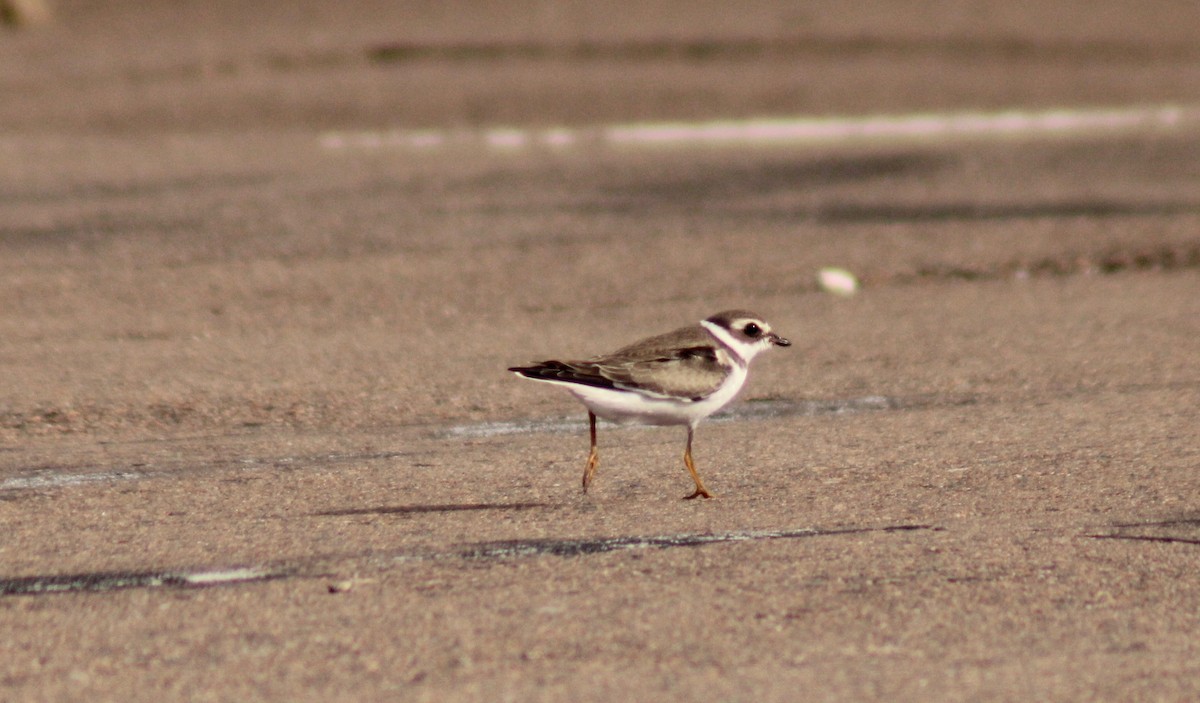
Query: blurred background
x,y
118,65
221,211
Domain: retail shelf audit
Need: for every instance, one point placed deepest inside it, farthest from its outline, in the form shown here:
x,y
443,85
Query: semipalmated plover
x,y
677,378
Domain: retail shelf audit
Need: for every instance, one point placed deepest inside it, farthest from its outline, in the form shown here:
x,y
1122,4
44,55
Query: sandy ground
x,y
226,345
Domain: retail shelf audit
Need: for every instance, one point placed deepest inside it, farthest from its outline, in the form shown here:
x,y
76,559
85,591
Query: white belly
x,y
625,406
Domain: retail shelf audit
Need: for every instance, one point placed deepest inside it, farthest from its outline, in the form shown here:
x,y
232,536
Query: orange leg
x,y
593,457
701,491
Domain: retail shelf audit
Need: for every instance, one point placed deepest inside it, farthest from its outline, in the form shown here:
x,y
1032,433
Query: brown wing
x,y
692,372
680,364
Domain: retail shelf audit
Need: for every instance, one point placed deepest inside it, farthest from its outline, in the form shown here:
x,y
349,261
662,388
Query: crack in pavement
x,y
100,582
1149,538
509,549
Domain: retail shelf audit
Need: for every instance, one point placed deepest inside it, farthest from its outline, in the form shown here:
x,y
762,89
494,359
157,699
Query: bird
x,y
676,378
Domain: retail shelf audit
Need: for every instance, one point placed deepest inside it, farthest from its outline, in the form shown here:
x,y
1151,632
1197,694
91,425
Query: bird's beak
x,y
779,341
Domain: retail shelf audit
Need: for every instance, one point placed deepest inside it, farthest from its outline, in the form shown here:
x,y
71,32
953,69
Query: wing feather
x,y
682,364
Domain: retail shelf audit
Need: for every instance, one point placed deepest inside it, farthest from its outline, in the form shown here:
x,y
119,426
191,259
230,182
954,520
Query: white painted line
x,y
51,480
560,137
507,138
210,578
796,130
113,581
899,127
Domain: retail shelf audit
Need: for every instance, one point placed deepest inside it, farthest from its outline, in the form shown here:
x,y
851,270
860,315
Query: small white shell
x,y
837,281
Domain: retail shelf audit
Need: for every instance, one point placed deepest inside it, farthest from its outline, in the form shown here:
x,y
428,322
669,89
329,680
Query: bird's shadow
x,y
431,508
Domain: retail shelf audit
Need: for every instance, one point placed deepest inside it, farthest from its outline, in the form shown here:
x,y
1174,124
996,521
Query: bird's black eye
x,y
752,330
